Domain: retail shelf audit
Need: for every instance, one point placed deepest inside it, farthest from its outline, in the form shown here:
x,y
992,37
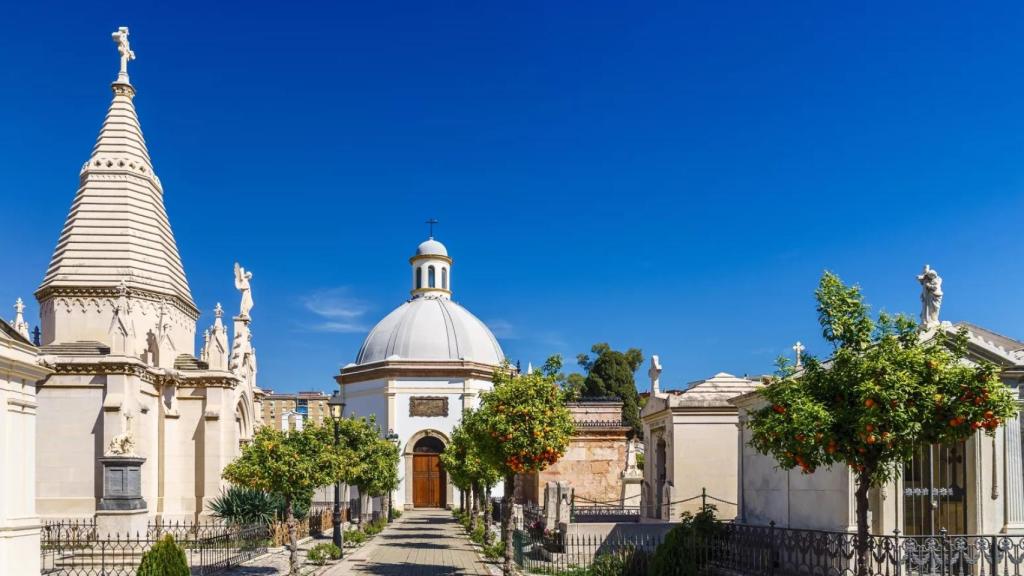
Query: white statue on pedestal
x,y
124,443
931,296
242,278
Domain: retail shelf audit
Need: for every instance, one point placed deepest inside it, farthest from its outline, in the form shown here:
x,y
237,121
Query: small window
x,y
419,278
431,281
444,278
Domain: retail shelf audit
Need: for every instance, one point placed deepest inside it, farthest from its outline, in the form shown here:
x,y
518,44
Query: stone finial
x,y
20,326
529,368
799,348
125,50
931,296
654,373
218,311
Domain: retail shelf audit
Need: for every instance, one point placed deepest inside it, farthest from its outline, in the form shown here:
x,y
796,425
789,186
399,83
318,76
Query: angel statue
x,y
242,278
931,296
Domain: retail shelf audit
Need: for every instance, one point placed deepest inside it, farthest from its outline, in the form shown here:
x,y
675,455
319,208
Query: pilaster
x,y
1013,475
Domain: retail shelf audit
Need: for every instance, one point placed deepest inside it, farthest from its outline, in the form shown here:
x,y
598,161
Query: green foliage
x,y
355,537
241,505
522,425
321,553
290,463
887,390
610,374
374,527
494,551
462,460
396,513
683,552
375,464
477,535
627,562
165,558
293,464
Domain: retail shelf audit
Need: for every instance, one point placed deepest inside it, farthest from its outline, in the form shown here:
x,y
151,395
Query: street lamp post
x,y
337,408
392,437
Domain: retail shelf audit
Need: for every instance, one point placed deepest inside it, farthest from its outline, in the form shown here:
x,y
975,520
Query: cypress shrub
x,y
165,558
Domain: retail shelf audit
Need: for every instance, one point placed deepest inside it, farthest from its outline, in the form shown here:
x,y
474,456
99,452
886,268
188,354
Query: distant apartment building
x,y
290,411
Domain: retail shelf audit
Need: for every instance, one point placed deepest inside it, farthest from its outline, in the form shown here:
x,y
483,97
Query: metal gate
x,y
935,490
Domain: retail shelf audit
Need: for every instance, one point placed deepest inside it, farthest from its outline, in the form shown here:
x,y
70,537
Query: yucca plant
x,y
241,505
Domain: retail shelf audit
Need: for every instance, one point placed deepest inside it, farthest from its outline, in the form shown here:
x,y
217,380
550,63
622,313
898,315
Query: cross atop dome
x,y
430,222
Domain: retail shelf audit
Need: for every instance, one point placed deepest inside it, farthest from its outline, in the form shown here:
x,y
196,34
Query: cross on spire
x,y
125,50
431,223
799,349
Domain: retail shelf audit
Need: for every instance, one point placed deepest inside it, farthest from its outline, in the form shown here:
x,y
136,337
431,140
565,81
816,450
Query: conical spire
x,y
118,228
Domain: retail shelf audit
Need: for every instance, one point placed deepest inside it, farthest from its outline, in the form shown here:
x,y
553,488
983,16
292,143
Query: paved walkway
x,y
420,543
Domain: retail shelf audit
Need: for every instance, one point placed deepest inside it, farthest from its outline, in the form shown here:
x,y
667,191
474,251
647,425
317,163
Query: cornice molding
x,y
53,292
388,369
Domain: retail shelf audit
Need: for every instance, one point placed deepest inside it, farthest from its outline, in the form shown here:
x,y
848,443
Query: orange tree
x,y
290,463
522,426
467,470
888,388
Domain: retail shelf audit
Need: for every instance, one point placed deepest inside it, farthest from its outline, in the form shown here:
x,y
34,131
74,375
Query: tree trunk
x,y
471,496
293,538
485,506
506,521
861,499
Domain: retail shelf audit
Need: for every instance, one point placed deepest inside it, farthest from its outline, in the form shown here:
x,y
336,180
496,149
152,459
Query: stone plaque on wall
x,y
428,406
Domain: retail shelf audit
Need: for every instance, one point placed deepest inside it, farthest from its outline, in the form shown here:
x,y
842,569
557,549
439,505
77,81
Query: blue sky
x,y
671,176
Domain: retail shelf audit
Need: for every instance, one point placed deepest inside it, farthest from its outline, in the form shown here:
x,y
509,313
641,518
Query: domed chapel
x,y
417,370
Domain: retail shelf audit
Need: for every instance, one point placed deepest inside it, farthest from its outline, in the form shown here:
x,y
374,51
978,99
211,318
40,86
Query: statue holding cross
x,y
125,50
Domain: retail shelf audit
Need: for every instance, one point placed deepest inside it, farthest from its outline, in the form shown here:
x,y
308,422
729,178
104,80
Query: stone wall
x,y
593,465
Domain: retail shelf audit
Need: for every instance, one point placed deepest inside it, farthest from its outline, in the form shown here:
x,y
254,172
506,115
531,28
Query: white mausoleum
x,y
690,440
417,370
119,332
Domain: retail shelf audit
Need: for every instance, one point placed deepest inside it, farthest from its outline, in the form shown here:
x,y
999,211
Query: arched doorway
x,y
428,477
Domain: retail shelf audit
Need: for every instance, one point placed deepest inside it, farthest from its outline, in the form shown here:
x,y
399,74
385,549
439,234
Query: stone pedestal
x,y
550,504
122,510
122,483
565,499
631,488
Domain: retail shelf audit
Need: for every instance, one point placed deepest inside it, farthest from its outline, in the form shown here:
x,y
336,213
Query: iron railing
x,y
74,548
772,551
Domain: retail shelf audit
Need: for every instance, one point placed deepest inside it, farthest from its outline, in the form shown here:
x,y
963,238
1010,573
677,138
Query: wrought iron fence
x,y
74,548
771,551
584,513
582,554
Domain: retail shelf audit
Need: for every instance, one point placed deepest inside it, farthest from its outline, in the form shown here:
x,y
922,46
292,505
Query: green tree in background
x,y
888,389
610,375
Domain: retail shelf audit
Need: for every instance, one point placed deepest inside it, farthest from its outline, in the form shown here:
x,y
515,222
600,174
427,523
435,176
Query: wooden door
x,y
427,482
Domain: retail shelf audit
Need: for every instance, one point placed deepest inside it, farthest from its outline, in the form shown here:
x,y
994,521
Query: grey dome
x,y
431,329
431,247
